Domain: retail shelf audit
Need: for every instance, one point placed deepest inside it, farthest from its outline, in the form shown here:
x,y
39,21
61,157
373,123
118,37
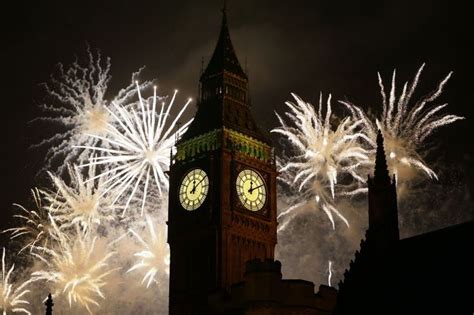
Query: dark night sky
x,y
300,46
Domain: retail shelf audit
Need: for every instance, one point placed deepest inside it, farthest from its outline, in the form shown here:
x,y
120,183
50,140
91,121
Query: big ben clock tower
x,y
222,197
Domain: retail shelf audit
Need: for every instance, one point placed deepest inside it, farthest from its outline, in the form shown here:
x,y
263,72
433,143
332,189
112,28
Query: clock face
x,y
251,190
193,189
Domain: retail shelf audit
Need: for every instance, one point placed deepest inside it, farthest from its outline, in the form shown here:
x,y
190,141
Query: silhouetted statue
x,y
49,305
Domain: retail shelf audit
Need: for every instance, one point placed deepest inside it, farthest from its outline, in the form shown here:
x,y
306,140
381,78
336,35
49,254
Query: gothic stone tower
x,y
371,283
222,197
383,210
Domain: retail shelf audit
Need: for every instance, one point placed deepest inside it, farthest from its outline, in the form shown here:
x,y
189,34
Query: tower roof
x,y
224,100
381,170
224,57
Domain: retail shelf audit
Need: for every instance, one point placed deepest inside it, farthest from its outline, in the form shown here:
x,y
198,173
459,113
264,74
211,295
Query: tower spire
x,y
224,57
381,175
383,210
224,100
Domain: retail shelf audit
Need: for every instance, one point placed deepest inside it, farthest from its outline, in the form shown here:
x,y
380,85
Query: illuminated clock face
x,y
193,189
251,190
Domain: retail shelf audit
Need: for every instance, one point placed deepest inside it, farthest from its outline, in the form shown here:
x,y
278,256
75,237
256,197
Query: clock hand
x,y
196,185
251,190
201,181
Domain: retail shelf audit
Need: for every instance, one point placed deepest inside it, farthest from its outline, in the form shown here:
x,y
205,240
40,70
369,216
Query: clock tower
x,y
222,195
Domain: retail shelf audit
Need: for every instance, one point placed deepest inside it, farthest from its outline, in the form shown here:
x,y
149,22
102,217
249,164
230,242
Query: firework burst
x,y
11,296
77,267
81,202
140,147
323,156
406,128
35,226
154,256
78,105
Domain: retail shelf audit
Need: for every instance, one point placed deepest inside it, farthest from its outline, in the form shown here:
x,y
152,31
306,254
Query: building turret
x,y
224,100
383,210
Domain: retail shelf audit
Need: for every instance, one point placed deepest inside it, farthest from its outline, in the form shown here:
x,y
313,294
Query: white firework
x,y
326,160
154,257
77,104
139,144
12,297
35,228
81,202
329,272
76,267
406,127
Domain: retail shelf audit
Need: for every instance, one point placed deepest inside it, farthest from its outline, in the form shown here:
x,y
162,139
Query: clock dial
x,y
251,190
193,189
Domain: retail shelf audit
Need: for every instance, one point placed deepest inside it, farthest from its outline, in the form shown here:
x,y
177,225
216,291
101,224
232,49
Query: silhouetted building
x,y
222,207
264,292
426,274
222,225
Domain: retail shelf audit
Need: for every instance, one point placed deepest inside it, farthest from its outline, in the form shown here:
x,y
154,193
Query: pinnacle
x,y
381,174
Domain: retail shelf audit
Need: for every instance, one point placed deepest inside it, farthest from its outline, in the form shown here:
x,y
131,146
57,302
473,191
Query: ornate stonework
x,y
232,140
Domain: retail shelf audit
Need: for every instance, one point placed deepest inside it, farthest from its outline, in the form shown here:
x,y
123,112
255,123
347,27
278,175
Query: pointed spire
x,y
224,7
49,305
381,170
224,14
224,57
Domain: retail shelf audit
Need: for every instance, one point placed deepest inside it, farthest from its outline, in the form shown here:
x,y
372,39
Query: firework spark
x,y
139,147
35,226
81,202
77,104
154,256
77,267
11,296
406,129
323,156
329,272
